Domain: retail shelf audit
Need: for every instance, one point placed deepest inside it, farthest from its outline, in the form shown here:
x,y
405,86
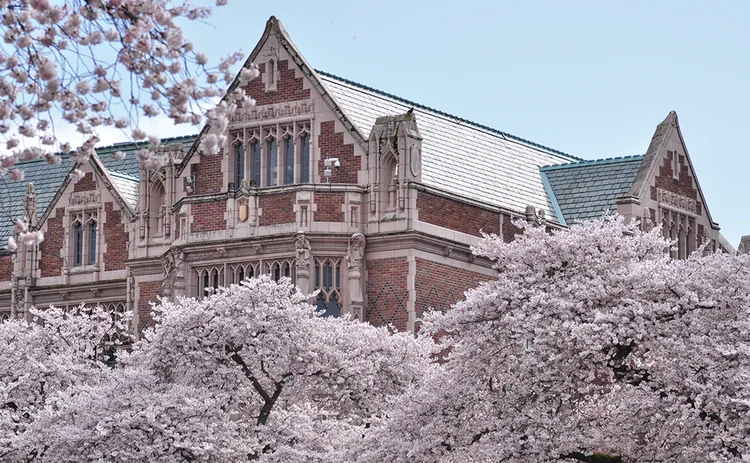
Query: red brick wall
x,y
208,216
277,208
148,292
6,268
332,143
387,293
116,239
456,215
288,88
509,230
208,175
51,262
439,286
87,183
329,207
683,186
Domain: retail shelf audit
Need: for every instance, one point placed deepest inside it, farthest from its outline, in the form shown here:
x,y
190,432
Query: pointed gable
x,y
666,174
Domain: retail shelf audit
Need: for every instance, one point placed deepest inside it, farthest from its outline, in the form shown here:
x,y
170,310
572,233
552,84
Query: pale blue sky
x,y
592,79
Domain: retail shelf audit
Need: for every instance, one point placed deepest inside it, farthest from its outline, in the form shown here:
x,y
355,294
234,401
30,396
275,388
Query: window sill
x,y
84,269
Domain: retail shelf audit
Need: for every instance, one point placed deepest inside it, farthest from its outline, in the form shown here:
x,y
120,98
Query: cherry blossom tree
x,y
60,350
249,373
90,64
593,346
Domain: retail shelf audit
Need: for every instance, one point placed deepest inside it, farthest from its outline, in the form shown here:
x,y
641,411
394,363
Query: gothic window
x,y
157,210
240,272
5,317
304,146
255,163
209,280
328,281
681,243
280,269
77,243
272,168
239,165
388,182
92,242
288,160
83,239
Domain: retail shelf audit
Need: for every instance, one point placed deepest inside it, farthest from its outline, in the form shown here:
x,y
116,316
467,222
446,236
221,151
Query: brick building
x,y
370,198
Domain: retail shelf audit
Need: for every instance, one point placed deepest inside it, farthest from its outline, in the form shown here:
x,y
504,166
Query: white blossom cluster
x,y
104,63
592,345
250,373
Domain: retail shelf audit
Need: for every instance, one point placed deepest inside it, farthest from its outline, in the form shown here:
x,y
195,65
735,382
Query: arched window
x,y
77,243
272,167
209,280
157,210
388,182
92,242
255,163
328,281
239,165
288,160
304,157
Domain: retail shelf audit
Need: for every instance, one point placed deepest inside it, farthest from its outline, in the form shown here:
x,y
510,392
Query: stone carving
x,y
83,199
257,249
221,252
302,250
677,201
275,111
302,261
96,292
65,295
535,216
354,257
356,251
131,286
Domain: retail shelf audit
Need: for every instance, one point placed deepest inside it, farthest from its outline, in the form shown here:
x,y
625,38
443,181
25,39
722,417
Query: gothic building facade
x,y
370,199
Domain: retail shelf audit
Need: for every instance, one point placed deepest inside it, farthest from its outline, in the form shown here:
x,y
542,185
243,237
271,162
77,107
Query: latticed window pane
x,y
255,163
77,244
327,276
288,160
271,163
304,160
92,243
239,165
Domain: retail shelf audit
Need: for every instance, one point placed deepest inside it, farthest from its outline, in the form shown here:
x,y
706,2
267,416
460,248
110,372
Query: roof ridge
x,y
108,147
601,161
448,115
124,175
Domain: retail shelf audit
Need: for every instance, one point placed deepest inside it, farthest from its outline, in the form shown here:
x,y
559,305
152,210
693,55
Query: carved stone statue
x,y
354,256
302,261
356,251
302,250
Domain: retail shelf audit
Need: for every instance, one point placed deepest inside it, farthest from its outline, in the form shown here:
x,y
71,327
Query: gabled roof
x,y
46,179
458,156
652,157
49,180
587,189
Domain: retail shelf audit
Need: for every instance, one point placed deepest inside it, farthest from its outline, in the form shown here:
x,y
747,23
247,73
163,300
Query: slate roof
x,y
127,186
46,179
458,156
585,190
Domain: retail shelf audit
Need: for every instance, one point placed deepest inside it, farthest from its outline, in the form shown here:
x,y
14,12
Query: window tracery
x,y
328,282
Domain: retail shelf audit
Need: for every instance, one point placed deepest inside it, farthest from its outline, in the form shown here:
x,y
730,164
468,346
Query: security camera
x,y
337,164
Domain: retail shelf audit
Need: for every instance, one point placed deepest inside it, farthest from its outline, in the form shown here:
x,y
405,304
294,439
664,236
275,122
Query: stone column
x,y
302,262
354,258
